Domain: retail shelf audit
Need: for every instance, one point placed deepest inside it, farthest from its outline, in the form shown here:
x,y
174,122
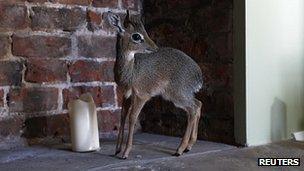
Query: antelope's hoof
x,y
176,154
117,152
186,150
123,158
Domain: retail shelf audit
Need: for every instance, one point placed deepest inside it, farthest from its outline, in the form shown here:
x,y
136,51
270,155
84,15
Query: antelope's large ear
x,y
115,21
127,20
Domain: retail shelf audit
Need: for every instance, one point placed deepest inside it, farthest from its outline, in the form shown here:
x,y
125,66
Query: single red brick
x,y
105,3
97,46
86,71
73,2
57,18
94,17
11,126
13,17
1,98
41,46
10,73
103,96
33,99
108,121
5,46
94,20
49,70
130,4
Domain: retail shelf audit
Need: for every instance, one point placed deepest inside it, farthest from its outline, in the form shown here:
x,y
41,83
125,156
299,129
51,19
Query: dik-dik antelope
x,y
143,70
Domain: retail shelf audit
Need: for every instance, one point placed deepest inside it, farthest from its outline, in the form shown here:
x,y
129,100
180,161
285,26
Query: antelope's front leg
x,y
124,114
136,106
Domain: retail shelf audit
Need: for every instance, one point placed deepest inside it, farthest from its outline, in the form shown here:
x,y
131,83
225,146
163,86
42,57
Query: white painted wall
x,y
274,69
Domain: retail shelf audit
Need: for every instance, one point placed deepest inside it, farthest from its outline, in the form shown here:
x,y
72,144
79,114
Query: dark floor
x,y
150,152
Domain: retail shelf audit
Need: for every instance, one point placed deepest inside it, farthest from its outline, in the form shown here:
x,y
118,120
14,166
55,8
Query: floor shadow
x,y
161,149
65,147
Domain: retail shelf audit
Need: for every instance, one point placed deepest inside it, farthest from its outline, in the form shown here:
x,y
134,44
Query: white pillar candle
x,y
83,124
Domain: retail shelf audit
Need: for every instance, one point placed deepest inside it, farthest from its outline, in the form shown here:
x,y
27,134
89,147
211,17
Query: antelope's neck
x,y
124,66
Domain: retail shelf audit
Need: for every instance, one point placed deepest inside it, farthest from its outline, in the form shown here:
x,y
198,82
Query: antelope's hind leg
x,y
190,109
194,131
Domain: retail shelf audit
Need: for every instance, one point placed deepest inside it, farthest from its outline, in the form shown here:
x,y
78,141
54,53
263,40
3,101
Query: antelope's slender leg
x,y
124,114
136,106
185,139
193,137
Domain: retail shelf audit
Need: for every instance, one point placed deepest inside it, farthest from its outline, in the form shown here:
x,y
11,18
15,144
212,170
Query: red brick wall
x,y
51,51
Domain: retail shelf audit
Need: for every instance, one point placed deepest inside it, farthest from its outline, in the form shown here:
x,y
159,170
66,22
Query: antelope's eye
x,y
136,37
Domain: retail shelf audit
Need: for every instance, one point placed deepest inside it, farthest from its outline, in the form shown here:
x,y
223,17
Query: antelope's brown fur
x,y
143,70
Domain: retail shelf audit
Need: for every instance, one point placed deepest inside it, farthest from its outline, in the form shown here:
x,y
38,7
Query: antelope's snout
x,y
152,47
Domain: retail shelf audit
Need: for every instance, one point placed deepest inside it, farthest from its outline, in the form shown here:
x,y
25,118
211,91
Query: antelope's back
x,y
169,65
